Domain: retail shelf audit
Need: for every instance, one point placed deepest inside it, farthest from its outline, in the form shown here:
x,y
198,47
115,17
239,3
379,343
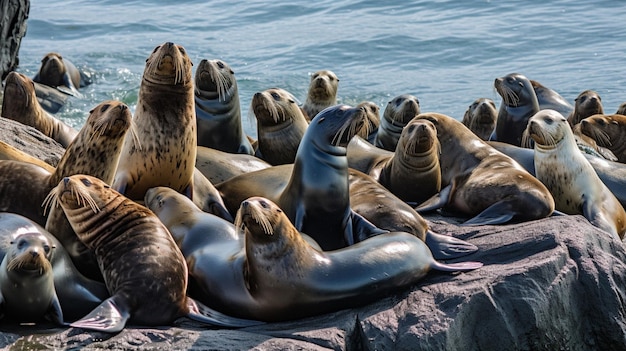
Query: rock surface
x,y
552,284
12,30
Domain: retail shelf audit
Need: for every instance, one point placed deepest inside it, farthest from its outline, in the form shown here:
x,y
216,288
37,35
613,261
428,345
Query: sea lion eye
x,y
181,49
220,64
156,49
85,181
548,120
263,204
275,96
104,107
46,248
601,122
21,244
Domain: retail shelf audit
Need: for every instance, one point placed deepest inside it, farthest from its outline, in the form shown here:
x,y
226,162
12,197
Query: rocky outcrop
x,y
12,30
552,284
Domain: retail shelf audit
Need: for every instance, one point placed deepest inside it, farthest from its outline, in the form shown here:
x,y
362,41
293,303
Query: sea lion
x,y
95,151
370,129
218,112
165,118
315,194
59,72
480,117
607,131
280,125
8,152
588,103
322,93
621,110
20,104
271,273
549,98
51,99
27,292
412,171
207,198
612,174
519,103
399,111
219,166
142,266
480,181
37,276
576,187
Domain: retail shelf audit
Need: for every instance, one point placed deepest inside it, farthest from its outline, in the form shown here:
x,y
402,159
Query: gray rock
x,y
12,30
30,141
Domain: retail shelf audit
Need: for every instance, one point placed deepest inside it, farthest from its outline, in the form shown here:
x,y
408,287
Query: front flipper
x,y
55,313
498,213
445,247
362,228
204,314
107,317
597,217
438,201
69,86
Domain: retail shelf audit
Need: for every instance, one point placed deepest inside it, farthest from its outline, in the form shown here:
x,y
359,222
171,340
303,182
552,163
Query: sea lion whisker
x,y
51,200
133,135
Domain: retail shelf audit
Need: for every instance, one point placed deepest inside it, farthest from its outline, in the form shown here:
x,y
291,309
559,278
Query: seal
x,y
551,99
9,152
165,118
27,291
479,181
322,93
280,125
218,112
412,172
372,111
207,198
612,174
142,266
576,187
315,192
94,151
219,166
20,104
588,103
607,131
37,277
271,273
519,103
398,112
480,117
59,72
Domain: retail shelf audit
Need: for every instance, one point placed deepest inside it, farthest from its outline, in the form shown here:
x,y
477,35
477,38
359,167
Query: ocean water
x,y
447,53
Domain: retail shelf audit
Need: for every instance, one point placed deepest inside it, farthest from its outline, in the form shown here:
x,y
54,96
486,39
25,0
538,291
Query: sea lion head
x,y
19,95
52,70
372,115
336,125
82,193
401,109
29,255
111,119
168,64
323,87
214,78
548,129
418,139
513,88
260,218
606,130
274,106
480,117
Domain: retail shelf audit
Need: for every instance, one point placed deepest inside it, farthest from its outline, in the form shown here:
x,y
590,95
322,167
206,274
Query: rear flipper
x,y
498,213
456,267
437,201
204,314
107,317
445,247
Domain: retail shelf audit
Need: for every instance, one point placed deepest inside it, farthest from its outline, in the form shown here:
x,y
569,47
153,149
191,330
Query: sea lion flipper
x,y
498,213
202,313
455,267
69,85
362,228
55,313
437,201
596,216
447,247
107,317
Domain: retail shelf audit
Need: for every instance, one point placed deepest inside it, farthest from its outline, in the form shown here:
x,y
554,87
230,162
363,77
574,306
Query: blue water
x,y
447,53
